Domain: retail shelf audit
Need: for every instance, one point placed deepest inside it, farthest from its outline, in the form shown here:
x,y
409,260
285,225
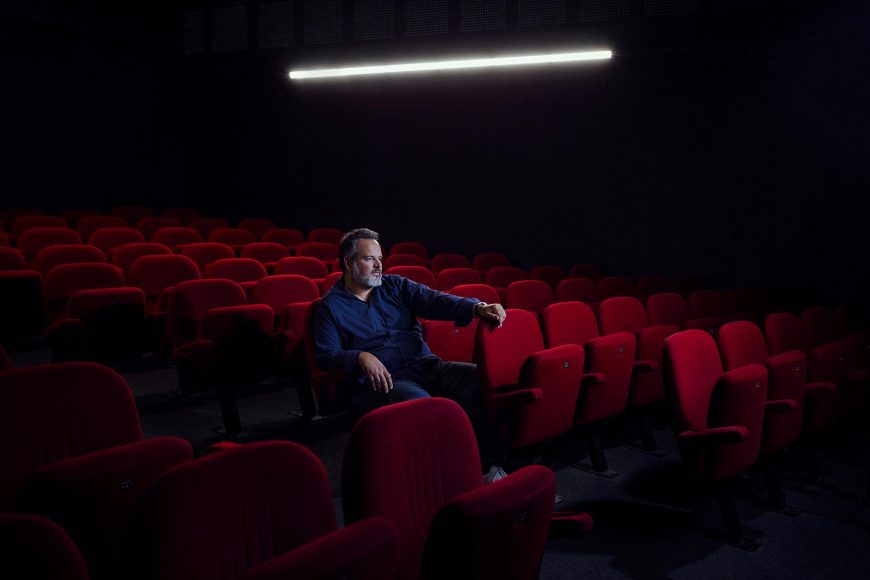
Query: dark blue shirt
x,y
385,326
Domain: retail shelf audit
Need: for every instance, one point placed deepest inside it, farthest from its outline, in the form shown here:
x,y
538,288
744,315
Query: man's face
x,y
366,268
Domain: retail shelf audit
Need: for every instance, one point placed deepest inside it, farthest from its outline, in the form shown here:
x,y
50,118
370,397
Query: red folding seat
x,y
708,305
453,526
502,276
591,271
820,329
107,239
205,226
303,266
74,216
627,314
451,277
608,367
51,256
532,390
284,525
488,260
86,226
183,214
667,308
718,416
131,214
323,251
66,279
192,299
257,226
124,256
174,238
613,286
325,391
784,332
28,222
8,216
35,239
279,291
578,289
482,292
450,342
552,275
531,295
413,248
741,344
444,261
403,260
325,235
21,307
154,274
418,274
744,304
287,237
35,548
267,253
233,237
12,259
237,269
204,253
653,284
150,224
327,283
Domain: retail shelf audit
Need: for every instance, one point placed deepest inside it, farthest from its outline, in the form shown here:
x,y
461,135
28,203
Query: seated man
x,y
367,327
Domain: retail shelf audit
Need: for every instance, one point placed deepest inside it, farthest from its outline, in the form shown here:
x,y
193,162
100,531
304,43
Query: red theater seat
x,y
489,260
325,235
52,256
257,226
444,261
87,226
205,226
413,248
124,256
12,259
154,274
149,225
8,216
36,548
204,253
33,240
552,275
418,274
450,342
303,266
652,284
482,292
612,286
174,237
451,277
707,305
578,289
324,251
66,279
267,253
191,300
74,216
233,237
131,214
502,276
403,260
107,239
237,269
531,295
287,237
327,283
28,222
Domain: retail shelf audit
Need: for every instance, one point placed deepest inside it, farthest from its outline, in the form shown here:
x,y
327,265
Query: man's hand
x,y
492,315
376,372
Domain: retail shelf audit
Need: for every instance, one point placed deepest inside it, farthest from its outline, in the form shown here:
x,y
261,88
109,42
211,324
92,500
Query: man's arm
x,y
436,305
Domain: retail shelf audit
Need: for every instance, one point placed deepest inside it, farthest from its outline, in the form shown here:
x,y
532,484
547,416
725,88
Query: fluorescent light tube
x,y
451,64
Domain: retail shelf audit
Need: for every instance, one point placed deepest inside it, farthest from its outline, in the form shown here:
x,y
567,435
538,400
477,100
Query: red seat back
x,y
257,226
502,276
124,256
324,251
531,295
579,289
232,236
444,261
451,277
552,275
488,260
303,266
326,235
150,224
207,252
236,269
205,226
35,547
413,248
87,226
265,252
667,308
33,240
173,237
612,286
418,274
131,214
482,292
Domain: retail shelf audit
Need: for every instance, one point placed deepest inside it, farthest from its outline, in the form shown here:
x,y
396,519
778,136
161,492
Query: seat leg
x,y
596,457
733,529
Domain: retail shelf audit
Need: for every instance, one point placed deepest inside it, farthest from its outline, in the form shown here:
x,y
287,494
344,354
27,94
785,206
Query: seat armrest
x,y
779,406
500,401
714,436
820,389
593,379
645,366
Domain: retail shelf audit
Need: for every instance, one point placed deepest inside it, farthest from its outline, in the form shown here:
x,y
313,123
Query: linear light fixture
x,y
452,64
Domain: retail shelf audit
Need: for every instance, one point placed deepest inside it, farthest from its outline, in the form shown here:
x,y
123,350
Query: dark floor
x,y
650,521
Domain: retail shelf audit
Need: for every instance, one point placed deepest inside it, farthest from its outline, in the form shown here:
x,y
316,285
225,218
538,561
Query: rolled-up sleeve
x,y
327,344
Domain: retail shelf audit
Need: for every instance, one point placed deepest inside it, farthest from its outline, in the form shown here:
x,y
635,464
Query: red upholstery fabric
x,y
83,302
205,226
327,283
190,302
280,501
35,548
552,275
57,411
451,277
33,240
667,308
612,286
232,236
207,252
12,259
450,342
265,252
236,269
303,266
183,214
173,237
531,295
719,416
444,261
394,260
365,550
92,496
66,279
488,260
154,274
150,224
622,314
496,531
285,236
109,238
741,344
28,222
416,273
73,216
580,289
502,276
132,213
414,248
124,256
87,226
327,235
321,250
281,290
482,292
257,226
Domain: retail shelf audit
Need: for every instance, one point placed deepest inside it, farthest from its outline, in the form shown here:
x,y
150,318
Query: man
x,y
367,327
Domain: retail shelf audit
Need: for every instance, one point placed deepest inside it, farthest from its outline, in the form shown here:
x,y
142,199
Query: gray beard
x,y
370,281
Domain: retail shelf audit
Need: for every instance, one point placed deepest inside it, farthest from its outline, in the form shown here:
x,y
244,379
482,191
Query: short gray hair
x,y
347,247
